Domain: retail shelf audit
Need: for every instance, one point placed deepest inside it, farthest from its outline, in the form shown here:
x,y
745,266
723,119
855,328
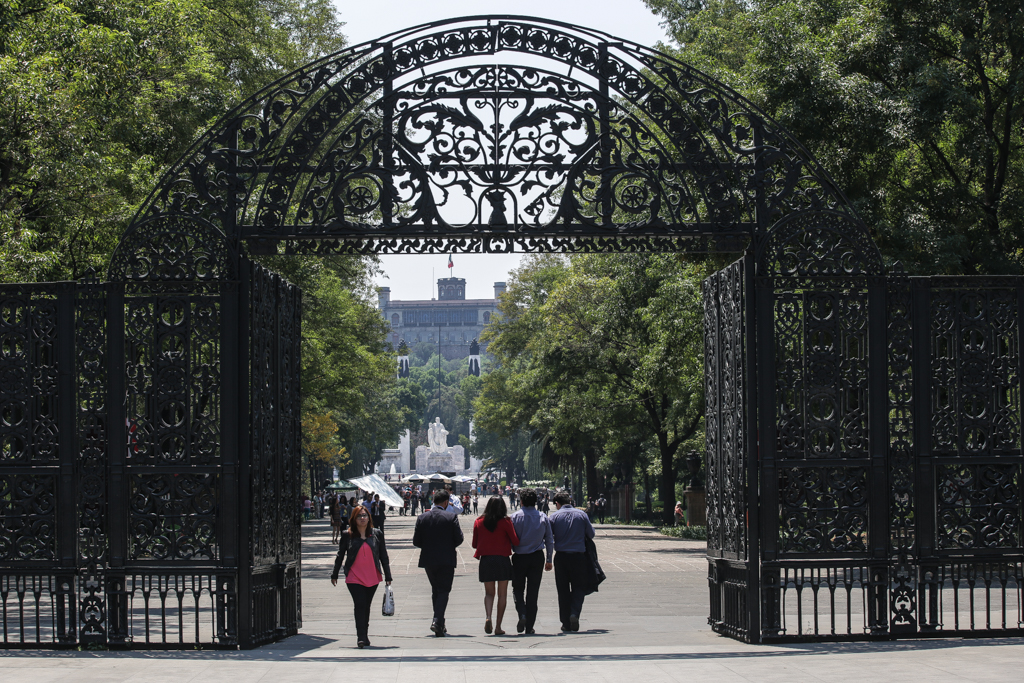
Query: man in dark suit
x,y
437,535
377,514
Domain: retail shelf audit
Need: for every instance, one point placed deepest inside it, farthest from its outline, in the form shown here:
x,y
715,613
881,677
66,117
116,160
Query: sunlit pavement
x,y
648,622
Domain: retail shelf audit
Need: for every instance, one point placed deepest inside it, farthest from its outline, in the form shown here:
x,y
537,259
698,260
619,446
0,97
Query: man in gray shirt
x,y
571,528
528,560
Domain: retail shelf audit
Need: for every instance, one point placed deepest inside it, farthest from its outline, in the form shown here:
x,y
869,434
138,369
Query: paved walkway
x,y
648,622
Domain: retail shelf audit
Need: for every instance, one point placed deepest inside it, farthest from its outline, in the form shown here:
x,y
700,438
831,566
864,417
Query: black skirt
x,y
495,568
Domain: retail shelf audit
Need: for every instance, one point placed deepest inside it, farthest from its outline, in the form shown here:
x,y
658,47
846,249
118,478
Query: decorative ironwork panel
x,y
173,380
290,420
173,249
731,581
978,506
823,510
712,440
28,373
28,505
821,380
975,363
263,402
92,375
725,414
172,516
275,312
902,529
812,244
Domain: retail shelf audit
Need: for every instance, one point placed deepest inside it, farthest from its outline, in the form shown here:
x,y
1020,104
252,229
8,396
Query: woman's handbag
x,y
388,608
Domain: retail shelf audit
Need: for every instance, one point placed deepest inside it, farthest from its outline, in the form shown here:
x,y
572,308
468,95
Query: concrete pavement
x,y
648,622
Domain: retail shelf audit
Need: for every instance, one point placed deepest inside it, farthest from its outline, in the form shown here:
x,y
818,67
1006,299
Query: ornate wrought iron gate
x,y
881,497
864,430
127,483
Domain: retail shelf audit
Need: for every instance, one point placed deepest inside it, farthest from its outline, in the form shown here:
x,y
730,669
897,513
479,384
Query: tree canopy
x,y
916,107
598,355
101,97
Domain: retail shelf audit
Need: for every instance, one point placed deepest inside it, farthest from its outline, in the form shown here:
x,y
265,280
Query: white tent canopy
x,y
372,482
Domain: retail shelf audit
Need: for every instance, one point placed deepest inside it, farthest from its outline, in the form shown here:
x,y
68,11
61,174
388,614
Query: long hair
x,y
494,512
352,520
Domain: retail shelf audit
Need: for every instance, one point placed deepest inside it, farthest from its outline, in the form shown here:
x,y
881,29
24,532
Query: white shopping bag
x,y
388,608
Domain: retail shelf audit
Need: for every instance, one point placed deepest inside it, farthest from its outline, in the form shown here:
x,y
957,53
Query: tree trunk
x,y
590,464
647,494
668,483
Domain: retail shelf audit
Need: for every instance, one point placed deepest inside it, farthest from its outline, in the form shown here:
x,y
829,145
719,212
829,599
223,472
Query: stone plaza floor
x,y
647,623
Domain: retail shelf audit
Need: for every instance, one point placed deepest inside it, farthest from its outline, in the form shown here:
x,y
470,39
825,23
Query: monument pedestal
x,y
429,462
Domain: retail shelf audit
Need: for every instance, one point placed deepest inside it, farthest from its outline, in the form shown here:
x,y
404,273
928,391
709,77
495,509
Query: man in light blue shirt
x,y
571,528
454,508
528,560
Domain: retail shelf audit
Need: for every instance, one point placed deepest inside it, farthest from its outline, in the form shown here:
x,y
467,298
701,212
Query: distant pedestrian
x,y
437,535
378,512
570,528
591,510
679,513
476,503
531,559
363,554
602,507
335,508
493,538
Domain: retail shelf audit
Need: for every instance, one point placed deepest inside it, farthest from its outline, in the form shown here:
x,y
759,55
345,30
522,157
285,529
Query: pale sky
x,y
414,277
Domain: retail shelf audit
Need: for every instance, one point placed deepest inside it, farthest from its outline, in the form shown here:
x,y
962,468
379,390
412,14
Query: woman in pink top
x,y
366,554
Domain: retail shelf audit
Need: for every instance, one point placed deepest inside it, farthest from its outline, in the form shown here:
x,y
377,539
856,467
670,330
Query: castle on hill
x,y
458,319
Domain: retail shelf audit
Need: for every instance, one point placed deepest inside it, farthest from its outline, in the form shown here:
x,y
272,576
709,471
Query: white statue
x,y
437,436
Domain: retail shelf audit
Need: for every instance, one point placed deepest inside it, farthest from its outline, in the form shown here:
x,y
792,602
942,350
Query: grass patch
x,y
635,522
695,533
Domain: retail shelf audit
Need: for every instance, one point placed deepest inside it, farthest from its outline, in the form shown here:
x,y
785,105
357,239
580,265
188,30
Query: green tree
x,y
100,98
914,106
599,354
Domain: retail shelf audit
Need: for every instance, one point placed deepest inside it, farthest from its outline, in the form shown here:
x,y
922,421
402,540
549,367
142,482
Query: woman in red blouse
x,y
493,538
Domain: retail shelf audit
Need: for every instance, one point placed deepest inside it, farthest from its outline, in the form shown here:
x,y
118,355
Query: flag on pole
x,y
450,264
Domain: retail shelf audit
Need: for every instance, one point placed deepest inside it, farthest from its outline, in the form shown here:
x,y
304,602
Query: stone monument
x,y
437,455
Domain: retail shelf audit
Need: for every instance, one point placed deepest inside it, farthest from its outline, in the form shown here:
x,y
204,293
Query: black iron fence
x,y
876,491
135,510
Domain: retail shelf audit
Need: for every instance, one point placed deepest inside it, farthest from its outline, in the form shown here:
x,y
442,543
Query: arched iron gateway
x,y
863,428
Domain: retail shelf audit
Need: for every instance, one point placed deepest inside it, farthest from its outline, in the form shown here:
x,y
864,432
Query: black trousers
x,y
362,600
440,587
571,582
527,572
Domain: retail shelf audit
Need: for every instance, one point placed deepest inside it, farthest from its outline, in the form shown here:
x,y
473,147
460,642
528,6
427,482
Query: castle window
x,y
487,317
395,320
